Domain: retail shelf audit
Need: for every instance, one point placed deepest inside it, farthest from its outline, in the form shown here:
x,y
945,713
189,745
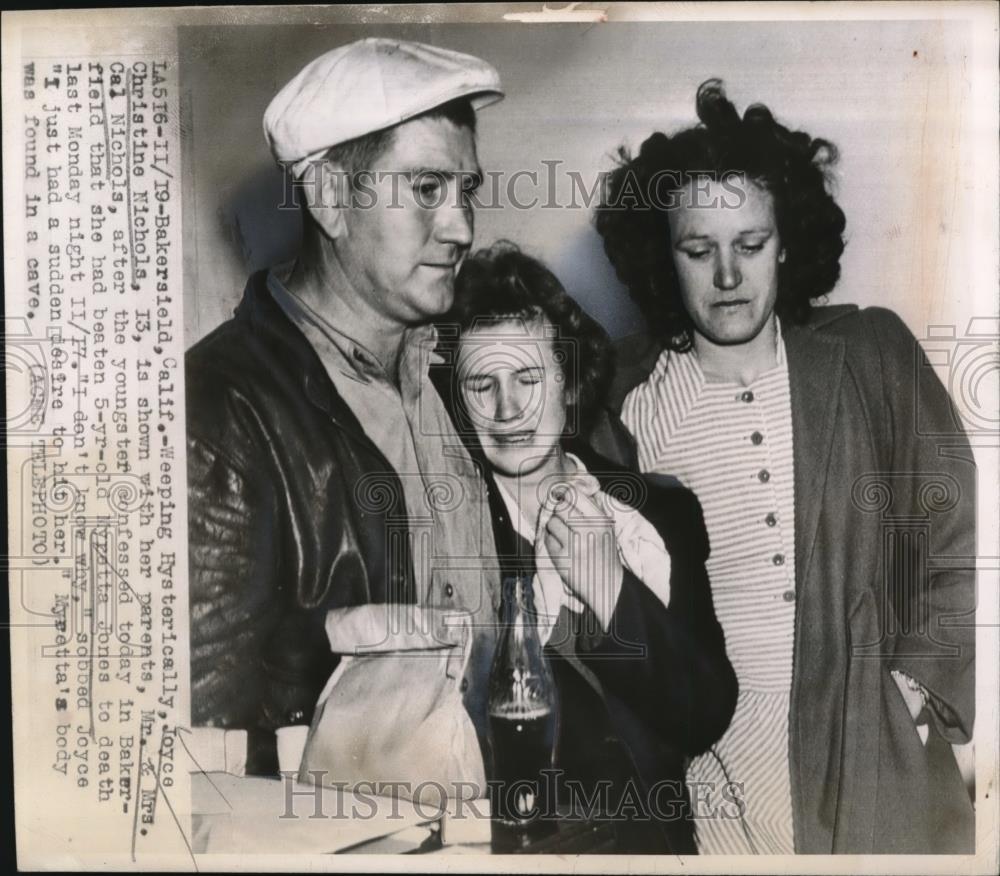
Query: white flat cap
x,y
366,86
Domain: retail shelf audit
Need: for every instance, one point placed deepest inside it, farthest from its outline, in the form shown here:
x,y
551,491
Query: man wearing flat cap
x,y
318,449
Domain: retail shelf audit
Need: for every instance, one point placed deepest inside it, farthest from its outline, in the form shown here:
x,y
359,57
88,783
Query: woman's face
x,y
727,256
514,391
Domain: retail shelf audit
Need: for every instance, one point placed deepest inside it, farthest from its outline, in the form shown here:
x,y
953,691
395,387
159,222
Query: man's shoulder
x,y
235,343
231,336
252,344
225,341
248,360
221,387
228,358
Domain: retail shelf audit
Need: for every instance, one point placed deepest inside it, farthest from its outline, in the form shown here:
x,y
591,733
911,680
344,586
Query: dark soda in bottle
x,y
523,717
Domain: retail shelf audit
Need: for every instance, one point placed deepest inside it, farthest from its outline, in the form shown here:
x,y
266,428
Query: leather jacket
x,y
285,523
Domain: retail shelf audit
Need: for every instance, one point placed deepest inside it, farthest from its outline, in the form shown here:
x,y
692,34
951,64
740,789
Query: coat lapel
x,y
564,635
815,371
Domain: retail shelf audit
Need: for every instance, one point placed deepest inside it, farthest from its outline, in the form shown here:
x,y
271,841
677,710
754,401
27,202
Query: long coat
x,y
885,547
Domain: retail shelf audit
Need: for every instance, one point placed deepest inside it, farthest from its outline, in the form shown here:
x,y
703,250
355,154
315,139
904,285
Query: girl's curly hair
x,y
791,165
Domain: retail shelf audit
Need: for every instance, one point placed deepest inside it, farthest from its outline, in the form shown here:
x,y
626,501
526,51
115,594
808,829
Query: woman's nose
x,y
727,273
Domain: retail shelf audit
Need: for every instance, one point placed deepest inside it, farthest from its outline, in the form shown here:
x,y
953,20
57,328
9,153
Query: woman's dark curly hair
x,y
791,165
502,283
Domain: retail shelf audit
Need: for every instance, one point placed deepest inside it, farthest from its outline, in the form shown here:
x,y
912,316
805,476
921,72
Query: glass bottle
x,y
523,718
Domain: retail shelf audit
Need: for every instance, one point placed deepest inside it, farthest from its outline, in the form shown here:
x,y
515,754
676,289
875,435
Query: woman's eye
x,y
697,254
478,388
530,379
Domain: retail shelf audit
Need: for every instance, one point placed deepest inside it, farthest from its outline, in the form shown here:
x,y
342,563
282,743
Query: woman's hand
x,y
580,539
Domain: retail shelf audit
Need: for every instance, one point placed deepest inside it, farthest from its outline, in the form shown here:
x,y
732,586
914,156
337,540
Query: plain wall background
x,y
893,95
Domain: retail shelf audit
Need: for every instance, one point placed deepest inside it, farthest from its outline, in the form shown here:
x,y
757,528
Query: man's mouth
x,y
735,302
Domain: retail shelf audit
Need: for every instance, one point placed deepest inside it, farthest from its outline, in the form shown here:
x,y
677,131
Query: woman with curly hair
x,y
786,418
616,562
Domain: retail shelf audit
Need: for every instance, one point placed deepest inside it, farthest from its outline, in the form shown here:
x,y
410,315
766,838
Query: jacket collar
x,y
269,321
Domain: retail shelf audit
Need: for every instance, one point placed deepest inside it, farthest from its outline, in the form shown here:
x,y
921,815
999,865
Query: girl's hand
x,y
580,539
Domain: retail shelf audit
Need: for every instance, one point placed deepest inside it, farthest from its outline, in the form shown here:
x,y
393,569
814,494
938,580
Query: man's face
x,y
727,260
410,226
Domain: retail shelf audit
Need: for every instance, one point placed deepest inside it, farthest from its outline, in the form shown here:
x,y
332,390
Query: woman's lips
x,y
512,438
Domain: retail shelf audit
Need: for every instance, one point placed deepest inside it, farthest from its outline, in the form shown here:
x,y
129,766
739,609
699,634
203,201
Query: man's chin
x,y
430,309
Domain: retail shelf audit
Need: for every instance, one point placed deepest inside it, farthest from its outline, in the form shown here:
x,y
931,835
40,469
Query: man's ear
x,y
326,190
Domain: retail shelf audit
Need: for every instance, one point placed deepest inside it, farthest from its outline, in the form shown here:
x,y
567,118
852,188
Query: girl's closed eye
x,y
478,385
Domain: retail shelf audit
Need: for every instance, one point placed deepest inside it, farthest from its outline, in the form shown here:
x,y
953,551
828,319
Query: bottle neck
x,y
518,599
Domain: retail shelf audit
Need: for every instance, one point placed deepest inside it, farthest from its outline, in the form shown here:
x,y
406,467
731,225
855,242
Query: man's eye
x,y
751,247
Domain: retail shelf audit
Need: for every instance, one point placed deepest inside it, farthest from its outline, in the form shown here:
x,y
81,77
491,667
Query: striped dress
x,y
732,445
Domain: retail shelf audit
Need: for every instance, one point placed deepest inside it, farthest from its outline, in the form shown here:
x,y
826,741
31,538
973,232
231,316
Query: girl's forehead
x,y
512,344
513,327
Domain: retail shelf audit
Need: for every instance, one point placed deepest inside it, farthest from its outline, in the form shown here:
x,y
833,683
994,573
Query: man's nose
x,y
727,272
454,222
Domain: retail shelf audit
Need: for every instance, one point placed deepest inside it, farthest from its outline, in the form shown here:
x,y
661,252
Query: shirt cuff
x,y
217,750
921,719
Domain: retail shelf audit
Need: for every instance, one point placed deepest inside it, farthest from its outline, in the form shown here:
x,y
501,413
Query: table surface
x,y
233,814
572,836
